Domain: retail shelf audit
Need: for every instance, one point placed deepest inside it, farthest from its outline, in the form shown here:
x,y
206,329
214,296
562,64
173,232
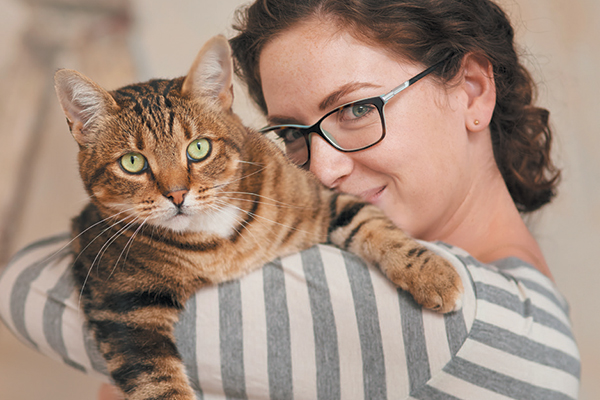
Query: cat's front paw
x,y
432,281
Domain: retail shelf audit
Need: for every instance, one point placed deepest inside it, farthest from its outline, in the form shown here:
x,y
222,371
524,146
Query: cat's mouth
x,y
180,214
179,221
220,221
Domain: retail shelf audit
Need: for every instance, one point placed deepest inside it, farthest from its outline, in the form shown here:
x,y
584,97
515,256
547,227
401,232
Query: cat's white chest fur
x,y
221,221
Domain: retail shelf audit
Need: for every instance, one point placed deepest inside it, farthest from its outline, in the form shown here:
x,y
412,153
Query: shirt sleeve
x,y
321,325
520,345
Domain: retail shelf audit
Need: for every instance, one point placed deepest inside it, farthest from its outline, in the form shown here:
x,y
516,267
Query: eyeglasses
x,y
351,127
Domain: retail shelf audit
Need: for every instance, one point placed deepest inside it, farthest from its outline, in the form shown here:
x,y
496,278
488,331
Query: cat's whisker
x,y
251,163
110,241
269,220
274,202
263,203
90,243
101,233
240,220
54,254
127,247
240,178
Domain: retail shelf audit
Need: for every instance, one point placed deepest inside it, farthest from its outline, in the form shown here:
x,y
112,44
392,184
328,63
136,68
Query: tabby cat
x,y
183,196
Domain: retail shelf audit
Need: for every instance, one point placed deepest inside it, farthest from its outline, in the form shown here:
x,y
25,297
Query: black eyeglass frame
x,y
378,101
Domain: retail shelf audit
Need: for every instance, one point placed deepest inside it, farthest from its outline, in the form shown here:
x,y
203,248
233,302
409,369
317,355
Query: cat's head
x,y
160,152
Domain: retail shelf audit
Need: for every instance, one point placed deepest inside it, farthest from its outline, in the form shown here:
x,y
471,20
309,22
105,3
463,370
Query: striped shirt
x,y
322,325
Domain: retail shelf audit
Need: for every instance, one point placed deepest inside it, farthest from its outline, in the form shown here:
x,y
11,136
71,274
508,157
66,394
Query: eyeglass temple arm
x,y
398,89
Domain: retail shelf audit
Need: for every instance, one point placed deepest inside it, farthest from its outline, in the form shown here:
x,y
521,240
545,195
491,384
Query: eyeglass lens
x,y
351,127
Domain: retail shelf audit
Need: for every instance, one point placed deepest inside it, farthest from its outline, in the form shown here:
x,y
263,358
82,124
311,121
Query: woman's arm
x,y
320,324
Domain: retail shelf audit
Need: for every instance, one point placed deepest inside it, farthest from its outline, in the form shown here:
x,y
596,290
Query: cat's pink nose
x,y
177,196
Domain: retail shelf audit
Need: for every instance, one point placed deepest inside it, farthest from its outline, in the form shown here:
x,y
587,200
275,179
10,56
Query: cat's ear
x,y
211,74
83,102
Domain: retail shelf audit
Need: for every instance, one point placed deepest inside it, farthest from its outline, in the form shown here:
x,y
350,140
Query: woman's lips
x,y
373,195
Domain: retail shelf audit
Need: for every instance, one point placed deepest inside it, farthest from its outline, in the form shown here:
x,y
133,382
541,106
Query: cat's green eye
x,y
134,163
198,150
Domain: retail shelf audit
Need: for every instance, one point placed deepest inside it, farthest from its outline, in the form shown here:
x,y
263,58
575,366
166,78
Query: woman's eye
x,y
289,135
133,163
198,150
353,112
359,110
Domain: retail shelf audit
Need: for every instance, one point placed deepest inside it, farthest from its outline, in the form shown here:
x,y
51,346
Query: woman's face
x,y
420,174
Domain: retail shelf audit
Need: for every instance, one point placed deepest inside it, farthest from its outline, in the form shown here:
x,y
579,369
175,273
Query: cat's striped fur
x,y
149,239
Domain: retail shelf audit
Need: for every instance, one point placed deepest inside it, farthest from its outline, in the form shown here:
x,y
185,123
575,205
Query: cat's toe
x,y
445,287
435,284
440,298
453,300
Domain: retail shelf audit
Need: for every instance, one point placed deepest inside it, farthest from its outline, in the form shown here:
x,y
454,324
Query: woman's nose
x,y
330,165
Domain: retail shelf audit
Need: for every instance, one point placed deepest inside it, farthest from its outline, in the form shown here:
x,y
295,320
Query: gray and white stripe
x,y
319,325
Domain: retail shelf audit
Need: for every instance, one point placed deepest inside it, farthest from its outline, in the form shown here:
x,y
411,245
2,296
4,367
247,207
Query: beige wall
x,y
559,40
562,36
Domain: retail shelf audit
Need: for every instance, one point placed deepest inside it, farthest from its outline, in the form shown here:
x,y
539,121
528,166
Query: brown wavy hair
x,y
427,31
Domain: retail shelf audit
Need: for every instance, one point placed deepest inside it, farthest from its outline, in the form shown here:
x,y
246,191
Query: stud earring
x,y
476,122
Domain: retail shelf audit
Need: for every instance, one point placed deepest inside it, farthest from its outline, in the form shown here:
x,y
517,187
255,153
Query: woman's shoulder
x,y
509,282
521,334
512,336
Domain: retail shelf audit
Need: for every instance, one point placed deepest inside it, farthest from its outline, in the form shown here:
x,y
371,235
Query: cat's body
x,y
183,195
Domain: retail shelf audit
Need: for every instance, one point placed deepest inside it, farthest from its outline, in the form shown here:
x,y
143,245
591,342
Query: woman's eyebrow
x,y
325,104
335,96
280,120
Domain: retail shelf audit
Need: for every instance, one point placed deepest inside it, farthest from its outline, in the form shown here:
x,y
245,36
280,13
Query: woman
x,y
461,154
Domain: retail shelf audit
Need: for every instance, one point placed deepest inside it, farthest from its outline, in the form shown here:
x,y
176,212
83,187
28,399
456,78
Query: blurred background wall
x,y
119,41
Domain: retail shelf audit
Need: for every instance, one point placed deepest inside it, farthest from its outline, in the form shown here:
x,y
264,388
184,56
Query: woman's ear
x,y
480,88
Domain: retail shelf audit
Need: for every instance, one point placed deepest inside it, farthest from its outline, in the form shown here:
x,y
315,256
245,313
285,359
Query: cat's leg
x,y
363,229
138,345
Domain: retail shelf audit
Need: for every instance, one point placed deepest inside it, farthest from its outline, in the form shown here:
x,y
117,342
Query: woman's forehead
x,y
310,63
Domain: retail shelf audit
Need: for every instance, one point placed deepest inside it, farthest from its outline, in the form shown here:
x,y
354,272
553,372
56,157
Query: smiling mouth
x,y
371,196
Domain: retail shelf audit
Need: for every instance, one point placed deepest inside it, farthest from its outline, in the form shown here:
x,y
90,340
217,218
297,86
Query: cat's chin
x,y
220,222
179,223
